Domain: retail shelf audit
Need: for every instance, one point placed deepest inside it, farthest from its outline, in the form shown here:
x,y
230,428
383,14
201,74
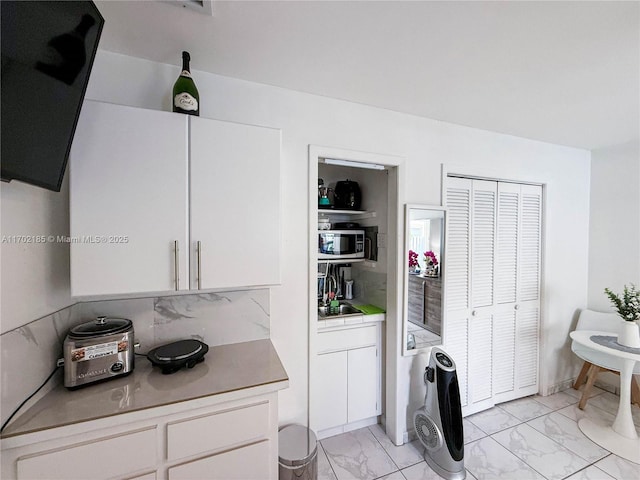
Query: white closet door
x,y
456,343
516,326
528,302
508,213
504,348
526,359
483,232
530,243
458,203
480,361
493,277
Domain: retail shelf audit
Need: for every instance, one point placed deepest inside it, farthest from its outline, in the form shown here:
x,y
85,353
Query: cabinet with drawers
x,y
192,440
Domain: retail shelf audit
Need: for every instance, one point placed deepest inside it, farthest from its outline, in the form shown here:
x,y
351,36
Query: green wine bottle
x,y
185,94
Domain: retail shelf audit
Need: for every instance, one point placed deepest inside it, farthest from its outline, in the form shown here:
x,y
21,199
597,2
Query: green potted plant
x,y
628,307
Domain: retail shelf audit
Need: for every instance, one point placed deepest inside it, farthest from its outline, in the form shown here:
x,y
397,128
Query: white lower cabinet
x,y
137,451
346,379
231,440
331,386
364,383
243,463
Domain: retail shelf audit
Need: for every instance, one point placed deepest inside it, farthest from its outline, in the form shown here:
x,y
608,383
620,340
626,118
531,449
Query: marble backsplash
x,y
29,353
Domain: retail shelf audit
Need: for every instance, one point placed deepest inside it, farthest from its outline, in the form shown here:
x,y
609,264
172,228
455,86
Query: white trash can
x,y
297,453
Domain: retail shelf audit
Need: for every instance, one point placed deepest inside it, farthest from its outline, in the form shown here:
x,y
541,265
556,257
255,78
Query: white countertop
x,y
226,368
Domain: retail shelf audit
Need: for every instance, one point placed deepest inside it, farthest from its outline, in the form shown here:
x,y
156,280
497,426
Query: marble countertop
x,y
226,368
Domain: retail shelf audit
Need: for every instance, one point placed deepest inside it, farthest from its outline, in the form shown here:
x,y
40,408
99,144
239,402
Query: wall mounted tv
x,y
47,54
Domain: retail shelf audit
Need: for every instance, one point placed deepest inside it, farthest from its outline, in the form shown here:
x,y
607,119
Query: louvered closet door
x,y
528,301
517,310
483,237
458,203
493,294
506,282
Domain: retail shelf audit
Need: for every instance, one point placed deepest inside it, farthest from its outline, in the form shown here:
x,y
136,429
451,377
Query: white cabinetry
x,y
346,385
158,198
235,204
331,386
493,292
231,440
128,186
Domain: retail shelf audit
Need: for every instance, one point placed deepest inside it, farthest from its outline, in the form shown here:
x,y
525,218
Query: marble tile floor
x,y
529,438
423,337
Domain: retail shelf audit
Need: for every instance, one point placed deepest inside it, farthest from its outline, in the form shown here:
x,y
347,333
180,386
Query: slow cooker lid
x,y
100,326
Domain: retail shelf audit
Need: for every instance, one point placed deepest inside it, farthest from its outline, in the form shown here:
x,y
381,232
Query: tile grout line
x,y
385,451
328,461
568,449
514,454
590,465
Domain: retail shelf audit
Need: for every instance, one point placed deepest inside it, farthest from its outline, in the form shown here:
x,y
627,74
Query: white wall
x,y
426,144
614,232
35,276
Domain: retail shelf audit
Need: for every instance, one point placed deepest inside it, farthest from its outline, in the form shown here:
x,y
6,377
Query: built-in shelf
x,y
356,214
342,261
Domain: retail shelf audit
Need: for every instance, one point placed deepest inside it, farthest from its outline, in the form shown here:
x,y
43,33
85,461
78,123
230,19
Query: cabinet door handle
x,y
473,313
516,307
176,264
199,256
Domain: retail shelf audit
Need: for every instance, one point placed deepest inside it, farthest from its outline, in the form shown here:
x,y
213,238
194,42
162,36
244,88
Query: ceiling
x,y
561,72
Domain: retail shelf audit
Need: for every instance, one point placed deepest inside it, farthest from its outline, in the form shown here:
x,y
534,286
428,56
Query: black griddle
x,y
177,355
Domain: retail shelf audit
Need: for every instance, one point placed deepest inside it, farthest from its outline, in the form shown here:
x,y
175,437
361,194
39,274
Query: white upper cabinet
x,y
151,187
235,204
128,186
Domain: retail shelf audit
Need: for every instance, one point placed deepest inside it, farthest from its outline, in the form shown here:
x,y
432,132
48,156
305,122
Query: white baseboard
x,y
558,387
330,432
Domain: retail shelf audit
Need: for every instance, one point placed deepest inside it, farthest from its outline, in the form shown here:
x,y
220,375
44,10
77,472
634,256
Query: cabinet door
x,y
128,200
136,451
330,399
250,462
363,390
235,204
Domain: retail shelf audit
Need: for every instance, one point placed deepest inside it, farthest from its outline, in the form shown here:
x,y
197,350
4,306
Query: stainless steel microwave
x,y
338,244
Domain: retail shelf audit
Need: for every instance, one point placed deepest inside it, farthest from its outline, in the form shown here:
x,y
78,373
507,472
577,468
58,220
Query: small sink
x,y
343,310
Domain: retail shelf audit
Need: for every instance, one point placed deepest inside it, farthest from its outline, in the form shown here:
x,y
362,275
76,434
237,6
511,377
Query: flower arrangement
x,y
413,259
628,306
430,258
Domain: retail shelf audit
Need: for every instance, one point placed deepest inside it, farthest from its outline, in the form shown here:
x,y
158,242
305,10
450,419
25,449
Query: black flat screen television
x,y
48,50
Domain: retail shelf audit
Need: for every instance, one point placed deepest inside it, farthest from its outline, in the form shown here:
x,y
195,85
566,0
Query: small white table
x,y
620,438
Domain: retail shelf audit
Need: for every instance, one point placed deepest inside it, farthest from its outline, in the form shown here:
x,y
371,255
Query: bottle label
x,y
185,73
186,102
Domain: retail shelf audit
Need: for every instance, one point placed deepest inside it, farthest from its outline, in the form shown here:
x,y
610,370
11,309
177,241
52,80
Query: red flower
x,y
413,258
430,258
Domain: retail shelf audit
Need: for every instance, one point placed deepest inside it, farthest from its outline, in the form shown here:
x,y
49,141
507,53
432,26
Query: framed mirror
x,y
423,277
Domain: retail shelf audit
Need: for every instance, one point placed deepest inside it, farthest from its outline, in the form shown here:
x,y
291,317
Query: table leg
x,y
621,438
623,423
